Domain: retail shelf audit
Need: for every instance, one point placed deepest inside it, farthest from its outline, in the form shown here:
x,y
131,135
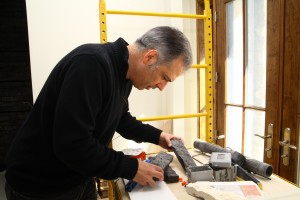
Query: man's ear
x,y
150,57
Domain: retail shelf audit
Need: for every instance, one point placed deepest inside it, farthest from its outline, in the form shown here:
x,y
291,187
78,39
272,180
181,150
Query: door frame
x,y
282,57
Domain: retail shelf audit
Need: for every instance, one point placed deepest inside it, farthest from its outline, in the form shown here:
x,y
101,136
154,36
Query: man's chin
x,y
140,88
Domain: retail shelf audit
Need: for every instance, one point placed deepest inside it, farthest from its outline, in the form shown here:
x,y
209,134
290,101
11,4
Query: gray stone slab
x,y
182,154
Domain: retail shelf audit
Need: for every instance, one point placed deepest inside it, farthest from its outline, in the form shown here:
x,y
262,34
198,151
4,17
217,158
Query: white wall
x,y
57,26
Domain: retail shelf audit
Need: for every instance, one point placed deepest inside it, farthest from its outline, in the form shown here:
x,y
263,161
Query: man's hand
x,y
165,140
146,172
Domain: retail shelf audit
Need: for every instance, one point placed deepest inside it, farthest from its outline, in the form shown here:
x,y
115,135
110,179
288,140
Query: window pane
x,y
234,127
254,124
256,53
234,62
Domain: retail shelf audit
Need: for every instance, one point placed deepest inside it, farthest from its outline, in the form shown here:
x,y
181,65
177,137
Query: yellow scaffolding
x,y
207,17
207,66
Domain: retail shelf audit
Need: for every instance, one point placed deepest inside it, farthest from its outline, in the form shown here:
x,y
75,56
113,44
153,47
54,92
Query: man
x,y
63,143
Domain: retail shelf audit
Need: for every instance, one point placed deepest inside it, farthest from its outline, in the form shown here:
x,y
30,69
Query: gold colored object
x,y
269,138
286,147
156,14
198,66
102,17
172,117
209,71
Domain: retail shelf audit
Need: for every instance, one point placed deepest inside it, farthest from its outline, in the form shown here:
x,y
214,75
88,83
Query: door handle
x,y
263,137
286,146
218,137
287,143
269,138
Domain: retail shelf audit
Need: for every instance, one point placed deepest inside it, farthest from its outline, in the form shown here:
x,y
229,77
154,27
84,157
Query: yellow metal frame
x,y
208,58
209,71
102,21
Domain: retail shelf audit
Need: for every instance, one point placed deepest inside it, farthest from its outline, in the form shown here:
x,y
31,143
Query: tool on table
x,y
130,185
243,174
246,166
135,153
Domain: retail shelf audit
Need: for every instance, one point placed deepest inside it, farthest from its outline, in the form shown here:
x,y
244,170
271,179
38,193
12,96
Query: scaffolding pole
x,y
209,71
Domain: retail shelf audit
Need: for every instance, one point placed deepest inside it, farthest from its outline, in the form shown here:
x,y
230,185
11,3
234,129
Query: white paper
x,y
160,191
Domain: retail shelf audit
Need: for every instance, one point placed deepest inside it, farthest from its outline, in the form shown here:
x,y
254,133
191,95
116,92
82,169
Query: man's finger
x,y
157,168
179,138
158,175
151,182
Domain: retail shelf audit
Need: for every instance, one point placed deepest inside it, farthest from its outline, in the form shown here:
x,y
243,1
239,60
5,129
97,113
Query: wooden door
x,y
282,99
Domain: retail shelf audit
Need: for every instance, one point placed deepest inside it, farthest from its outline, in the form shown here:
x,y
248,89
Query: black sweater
x,y
64,139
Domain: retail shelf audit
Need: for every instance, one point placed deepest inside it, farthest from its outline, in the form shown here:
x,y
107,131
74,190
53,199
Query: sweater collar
x,y
121,52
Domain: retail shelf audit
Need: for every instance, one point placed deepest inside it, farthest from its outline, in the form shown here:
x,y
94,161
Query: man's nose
x,y
161,85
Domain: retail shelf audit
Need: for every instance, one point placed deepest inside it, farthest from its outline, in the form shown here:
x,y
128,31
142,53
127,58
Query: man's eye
x,y
166,78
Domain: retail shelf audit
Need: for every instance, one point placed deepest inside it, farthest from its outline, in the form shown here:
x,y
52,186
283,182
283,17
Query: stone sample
x,y
182,154
170,175
162,159
209,193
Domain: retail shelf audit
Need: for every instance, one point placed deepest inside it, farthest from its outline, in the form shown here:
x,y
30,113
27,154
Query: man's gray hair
x,y
170,44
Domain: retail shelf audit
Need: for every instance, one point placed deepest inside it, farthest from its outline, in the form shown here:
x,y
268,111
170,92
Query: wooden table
x,y
273,188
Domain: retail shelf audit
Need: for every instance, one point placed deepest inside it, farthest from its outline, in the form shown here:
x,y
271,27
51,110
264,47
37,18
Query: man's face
x,y
159,76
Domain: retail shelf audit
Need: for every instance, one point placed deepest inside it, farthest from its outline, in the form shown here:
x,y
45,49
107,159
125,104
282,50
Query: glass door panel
x,y
234,62
245,81
254,124
234,128
256,53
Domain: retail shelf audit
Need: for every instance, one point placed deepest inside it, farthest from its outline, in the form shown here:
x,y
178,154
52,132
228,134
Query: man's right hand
x,y
147,172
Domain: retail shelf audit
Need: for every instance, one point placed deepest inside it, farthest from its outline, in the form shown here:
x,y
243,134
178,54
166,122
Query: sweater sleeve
x,y
133,129
79,102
